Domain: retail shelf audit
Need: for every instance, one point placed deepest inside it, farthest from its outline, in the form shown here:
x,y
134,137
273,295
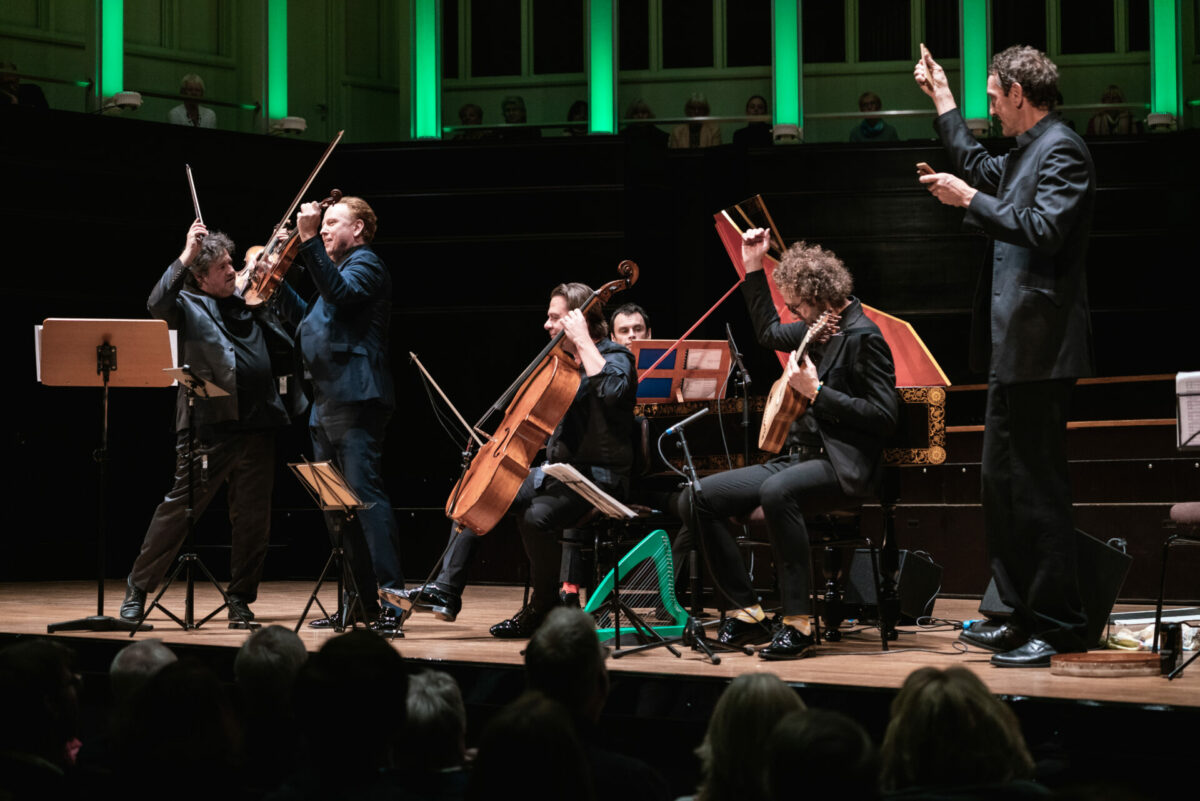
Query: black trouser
x,y
1026,496
247,460
787,489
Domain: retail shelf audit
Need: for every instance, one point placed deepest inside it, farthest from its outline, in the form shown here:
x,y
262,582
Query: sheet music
x,y
698,388
588,490
703,359
1187,425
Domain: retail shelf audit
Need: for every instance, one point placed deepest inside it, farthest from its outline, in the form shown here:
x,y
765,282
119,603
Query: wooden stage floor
x,y
855,662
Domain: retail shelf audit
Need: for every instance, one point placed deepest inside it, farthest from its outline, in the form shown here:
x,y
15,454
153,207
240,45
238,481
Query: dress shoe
x,y
570,599
520,626
1034,653
994,637
388,623
789,643
238,609
444,605
736,633
324,623
133,608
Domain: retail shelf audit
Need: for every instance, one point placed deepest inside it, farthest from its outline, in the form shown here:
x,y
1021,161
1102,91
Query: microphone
x,y
694,417
737,354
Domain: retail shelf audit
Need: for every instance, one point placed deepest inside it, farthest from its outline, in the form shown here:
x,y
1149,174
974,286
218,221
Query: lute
x,y
785,404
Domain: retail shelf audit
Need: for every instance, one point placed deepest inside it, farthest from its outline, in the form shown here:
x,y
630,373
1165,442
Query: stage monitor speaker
x,y
1105,568
917,582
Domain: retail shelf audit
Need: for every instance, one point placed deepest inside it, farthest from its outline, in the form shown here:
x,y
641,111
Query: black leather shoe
x,y
737,633
133,608
570,599
324,623
239,609
520,626
789,643
444,605
1034,653
389,624
998,638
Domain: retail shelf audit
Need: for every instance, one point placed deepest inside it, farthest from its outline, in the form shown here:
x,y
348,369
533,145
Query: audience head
x,y
813,278
470,114
1112,94
734,752
266,666
513,108
1032,69
39,693
639,110
350,698
578,112
191,85
565,661
133,666
696,106
830,750
437,722
947,730
756,106
869,101
532,725
629,323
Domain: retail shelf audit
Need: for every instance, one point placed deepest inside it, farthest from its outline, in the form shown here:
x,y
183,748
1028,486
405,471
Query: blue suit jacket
x,y
343,335
1035,203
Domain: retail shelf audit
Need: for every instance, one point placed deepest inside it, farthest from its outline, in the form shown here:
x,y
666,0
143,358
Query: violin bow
x,y
195,199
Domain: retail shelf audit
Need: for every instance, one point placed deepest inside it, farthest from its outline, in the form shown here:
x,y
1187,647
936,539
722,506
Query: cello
x,y
536,402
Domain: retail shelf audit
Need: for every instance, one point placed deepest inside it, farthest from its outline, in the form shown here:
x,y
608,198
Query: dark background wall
x,y
475,236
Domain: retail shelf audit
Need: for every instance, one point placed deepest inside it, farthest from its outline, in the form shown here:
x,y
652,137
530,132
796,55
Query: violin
x,y
537,402
259,279
262,278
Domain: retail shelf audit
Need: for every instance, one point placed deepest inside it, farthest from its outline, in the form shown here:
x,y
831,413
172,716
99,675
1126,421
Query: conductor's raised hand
x,y
930,76
191,247
755,244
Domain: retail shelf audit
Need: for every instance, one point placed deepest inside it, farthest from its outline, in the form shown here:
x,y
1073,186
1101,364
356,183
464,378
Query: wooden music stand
x,y
84,353
695,371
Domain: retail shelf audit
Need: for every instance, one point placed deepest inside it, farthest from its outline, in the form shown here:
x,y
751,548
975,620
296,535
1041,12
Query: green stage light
x,y
1164,58
785,62
601,67
112,47
426,109
973,18
277,60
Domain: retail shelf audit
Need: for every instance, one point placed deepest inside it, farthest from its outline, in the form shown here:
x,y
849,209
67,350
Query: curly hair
x,y
213,247
1031,68
814,275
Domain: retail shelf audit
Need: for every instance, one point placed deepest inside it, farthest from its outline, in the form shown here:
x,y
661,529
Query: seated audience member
x,y
755,134
642,132
1112,121
431,764
471,114
695,134
872,129
15,93
578,112
513,110
39,739
949,737
565,662
134,665
265,671
349,702
189,112
824,753
629,323
733,756
530,751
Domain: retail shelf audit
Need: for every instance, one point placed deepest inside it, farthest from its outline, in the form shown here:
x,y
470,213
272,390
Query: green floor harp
x,y
646,586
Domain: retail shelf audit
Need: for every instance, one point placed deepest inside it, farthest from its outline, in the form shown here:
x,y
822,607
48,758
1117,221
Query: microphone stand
x,y
741,380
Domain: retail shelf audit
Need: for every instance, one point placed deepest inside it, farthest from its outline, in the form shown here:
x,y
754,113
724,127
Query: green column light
x,y
601,67
786,79
1165,96
277,60
110,60
973,19
425,118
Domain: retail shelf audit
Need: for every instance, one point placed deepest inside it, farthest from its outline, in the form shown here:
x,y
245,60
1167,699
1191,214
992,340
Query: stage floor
x,y
855,662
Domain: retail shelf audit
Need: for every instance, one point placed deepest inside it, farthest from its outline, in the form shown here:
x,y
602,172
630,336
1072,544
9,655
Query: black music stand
x,y
83,353
189,561
331,492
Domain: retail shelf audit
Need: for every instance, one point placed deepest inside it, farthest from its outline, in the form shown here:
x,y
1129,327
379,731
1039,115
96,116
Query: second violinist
x,y
343,336
595,436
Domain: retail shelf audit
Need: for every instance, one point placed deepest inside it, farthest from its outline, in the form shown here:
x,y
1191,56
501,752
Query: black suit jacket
x,y
1035,203
206,346
857,408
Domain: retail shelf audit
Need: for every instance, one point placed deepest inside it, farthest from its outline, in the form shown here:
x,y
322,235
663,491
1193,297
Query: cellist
x,y
595,436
